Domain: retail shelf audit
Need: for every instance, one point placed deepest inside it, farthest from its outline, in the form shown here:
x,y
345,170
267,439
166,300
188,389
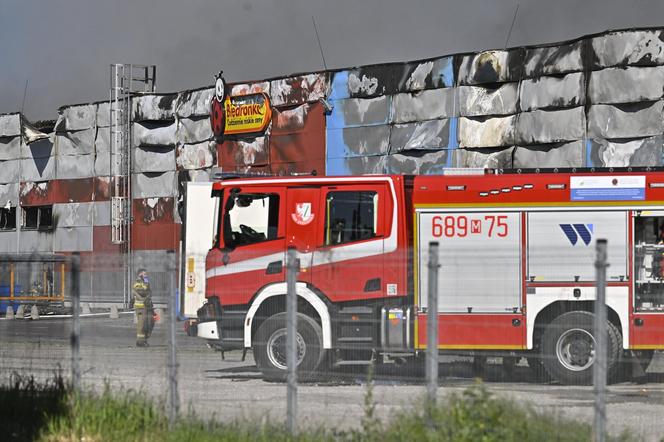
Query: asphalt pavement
x,y
233,389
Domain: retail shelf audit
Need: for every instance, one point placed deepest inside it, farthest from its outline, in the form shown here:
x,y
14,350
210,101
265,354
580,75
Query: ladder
x,y
126,80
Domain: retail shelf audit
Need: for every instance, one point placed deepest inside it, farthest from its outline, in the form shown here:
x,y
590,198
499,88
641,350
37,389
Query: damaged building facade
x,y
592,102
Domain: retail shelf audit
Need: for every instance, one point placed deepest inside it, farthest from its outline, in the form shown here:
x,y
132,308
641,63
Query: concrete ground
x,y
230,389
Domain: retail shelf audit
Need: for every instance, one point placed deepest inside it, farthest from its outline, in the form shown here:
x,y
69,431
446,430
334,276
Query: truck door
x,y
349,260
479,280
252,244
302,216
647,319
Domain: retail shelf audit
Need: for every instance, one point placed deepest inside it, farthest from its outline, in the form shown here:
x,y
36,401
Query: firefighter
x,y
142,297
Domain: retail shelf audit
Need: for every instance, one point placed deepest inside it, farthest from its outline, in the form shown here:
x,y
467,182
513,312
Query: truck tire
x,y
270,347
567,347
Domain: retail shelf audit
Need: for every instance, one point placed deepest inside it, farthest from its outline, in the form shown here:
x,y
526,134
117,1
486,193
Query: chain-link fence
x,y
360,358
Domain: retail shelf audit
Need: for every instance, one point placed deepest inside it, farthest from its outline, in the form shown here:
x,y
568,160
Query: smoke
x,y
64,47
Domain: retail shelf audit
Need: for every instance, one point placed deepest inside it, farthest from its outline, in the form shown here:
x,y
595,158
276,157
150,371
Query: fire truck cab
x,y
516,277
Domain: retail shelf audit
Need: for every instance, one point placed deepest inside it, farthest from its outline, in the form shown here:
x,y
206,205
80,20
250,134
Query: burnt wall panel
x,y
43,148
487,132
358,141
552,92
9,171
153,184
549,156
72,239
191,131
232,154
10,148
9,241
500,158
37,194
355,112
153,159
357,165
37,169
491,67
154,134
78,117
10,125
299,89
75,190
196,103
155,237
622,48
103,117
196,156
79,142
430,74
419,162
540,126
372,81
153,107
72,215
625,121
9,194
75,166
154,210
626,85
101,214
250,88
626,153
35,241
425,105
558,59
432,134
484,101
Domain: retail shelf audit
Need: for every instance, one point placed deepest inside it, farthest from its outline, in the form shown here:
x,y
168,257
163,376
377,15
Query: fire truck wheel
x,y
270,347
568,346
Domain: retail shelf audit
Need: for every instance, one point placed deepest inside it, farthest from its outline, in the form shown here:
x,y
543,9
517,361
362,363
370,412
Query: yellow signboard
x,y
246,114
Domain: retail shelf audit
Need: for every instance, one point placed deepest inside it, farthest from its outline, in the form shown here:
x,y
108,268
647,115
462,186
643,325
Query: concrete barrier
x,y
10,312
114,312
20,312
34,312
85,309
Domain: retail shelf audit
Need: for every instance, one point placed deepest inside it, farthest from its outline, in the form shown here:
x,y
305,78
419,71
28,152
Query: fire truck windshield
x,y
251,218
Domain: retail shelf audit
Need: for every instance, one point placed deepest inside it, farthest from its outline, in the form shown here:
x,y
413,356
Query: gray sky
x,y
64,47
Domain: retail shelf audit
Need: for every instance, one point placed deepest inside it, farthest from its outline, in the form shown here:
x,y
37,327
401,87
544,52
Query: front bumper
x,y
208,330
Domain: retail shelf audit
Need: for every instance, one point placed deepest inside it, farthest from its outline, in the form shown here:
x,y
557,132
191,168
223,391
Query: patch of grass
x,y
50,412
26,406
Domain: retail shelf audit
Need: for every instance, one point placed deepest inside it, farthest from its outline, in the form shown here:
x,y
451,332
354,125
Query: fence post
x,y
173,399
599,367
76,326
291,341
432,326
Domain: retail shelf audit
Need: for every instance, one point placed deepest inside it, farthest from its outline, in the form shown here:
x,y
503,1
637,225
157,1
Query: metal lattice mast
x,y
126,80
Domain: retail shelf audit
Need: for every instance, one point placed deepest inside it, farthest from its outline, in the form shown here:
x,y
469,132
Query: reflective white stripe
x,y
207,330
247,265
304,292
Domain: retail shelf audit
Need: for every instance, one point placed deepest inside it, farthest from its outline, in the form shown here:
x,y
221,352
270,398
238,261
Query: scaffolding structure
x,y
126,81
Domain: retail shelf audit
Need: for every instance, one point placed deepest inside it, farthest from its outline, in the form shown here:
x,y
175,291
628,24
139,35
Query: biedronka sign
x,y
240,115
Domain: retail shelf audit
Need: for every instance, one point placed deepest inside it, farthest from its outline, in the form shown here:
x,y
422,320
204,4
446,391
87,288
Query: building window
x,y
37,217
350,216
8,218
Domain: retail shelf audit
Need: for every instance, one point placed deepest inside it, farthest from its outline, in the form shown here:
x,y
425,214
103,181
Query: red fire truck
x,y
516,277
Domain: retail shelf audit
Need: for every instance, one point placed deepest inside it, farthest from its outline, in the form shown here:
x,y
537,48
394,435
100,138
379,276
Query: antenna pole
x,y
319,45
509,33
25,92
